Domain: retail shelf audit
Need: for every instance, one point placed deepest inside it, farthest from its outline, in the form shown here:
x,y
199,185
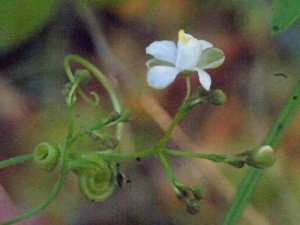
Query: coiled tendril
x,y
46,156
96,179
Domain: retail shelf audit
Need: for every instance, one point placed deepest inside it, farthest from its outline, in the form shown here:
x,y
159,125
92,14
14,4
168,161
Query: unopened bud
x,y
199,192
82,76
217,97
262,157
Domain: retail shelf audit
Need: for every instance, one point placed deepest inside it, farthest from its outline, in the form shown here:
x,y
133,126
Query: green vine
x,y
98,171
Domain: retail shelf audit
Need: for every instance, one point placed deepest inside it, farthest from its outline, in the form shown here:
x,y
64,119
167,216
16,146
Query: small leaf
x,y
285,12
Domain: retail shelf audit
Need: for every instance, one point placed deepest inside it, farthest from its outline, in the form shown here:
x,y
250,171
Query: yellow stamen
x,y
182,37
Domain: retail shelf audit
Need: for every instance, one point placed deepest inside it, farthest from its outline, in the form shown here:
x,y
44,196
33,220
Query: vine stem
x,y
273,138
177,118
16,160
114,156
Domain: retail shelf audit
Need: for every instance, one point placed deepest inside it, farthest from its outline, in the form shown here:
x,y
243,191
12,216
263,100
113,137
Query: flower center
x,y
182,37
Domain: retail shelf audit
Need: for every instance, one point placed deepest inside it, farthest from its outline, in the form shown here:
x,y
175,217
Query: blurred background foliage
x,y
35,37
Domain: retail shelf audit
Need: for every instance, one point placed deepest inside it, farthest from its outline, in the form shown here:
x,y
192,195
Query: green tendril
x,y
96,179
87,99
16,160
46,156
102,79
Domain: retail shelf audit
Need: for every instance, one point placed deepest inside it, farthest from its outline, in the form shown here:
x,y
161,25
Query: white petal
x,y
163,50
188,53
204,78
161,76
205,44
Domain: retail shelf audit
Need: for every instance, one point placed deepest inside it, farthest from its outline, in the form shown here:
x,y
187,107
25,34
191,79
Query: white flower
x,y
190,55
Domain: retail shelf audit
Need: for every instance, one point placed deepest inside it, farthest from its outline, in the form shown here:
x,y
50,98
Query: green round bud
x,y
193,206
199,192
82,76
217,97
262,157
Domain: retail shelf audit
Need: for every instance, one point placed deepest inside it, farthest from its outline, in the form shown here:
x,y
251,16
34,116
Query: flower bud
x,y
82,76
199,192
262,157
193,206
217,97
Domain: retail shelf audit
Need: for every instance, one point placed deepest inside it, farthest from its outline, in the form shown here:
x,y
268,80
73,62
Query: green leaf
x,y
285,12
21,19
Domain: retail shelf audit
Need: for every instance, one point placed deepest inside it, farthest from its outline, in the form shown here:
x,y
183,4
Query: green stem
x,y
167,167
188,88
174,122
178,116
212,157
111,155
16,160
273,138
